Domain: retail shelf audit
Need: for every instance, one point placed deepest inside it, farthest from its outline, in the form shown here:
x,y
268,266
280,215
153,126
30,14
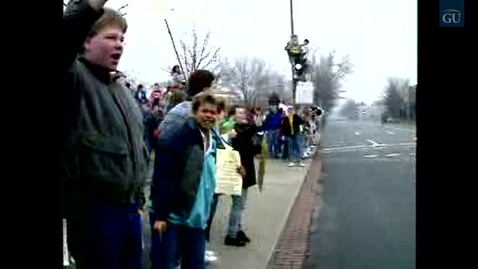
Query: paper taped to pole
x,y
305,93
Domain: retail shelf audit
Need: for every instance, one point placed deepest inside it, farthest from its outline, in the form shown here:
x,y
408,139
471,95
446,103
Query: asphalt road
x,y
366,218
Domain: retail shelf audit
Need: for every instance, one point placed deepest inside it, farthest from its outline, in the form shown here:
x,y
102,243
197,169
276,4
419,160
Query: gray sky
x,y
379,35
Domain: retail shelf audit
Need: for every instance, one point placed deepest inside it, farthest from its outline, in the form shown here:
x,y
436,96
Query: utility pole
x,y
174,46
291,17
294,83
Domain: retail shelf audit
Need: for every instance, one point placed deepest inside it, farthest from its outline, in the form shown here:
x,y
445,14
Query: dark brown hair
x,y
109,17
198,81
204,99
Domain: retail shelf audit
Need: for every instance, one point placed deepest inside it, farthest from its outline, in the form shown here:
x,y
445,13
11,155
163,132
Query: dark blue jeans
x,y
178,245
273,137
105,235
215,201
295,148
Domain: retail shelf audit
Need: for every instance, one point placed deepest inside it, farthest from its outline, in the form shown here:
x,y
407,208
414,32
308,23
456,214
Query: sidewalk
x,y
265,218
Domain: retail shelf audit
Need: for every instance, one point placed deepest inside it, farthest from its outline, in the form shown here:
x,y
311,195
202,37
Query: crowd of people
x,y
110,133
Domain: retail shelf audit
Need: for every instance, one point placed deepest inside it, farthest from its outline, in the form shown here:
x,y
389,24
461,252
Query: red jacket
x,y
156,95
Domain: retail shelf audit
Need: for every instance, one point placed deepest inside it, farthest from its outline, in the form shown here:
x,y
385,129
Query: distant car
x,y
391,120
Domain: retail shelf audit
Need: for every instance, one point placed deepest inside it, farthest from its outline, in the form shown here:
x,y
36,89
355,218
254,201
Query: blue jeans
x,y
106,235
302,142
272,142
236,214
295,148
207,231
180,244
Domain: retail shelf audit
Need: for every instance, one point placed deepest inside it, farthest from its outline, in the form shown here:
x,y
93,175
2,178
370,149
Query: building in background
x,y
230,96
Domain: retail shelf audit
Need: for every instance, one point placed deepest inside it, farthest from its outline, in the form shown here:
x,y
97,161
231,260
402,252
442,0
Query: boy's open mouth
x,y
116,56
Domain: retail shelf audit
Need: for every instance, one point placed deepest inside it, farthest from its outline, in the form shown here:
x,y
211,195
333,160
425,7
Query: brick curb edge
x,y
293,245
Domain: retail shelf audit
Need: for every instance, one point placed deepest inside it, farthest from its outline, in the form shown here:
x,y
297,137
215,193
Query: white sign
x,y
304,93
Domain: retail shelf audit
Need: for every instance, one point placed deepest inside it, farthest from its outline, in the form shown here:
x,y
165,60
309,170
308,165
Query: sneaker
x,y
242,236
301,164
236,242
210,256
291,164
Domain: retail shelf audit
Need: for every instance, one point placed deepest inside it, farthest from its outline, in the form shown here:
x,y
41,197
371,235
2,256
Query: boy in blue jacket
x,y
183,187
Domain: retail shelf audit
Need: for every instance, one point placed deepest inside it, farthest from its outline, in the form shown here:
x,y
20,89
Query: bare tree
x,y
396,97
198,53
251,77
349,109
122,11
327,76
412,101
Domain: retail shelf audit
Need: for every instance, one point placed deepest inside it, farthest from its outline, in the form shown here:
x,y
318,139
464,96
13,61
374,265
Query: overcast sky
x,y
379,35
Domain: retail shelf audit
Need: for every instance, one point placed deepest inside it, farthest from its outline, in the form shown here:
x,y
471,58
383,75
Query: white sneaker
x,y
301,165
291,164
210,256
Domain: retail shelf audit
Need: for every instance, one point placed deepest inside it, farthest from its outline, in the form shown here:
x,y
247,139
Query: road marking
x,y
370,156
412,154
401,128
404,144
357,133
374,144
390,132
345,148
392,155
380,146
